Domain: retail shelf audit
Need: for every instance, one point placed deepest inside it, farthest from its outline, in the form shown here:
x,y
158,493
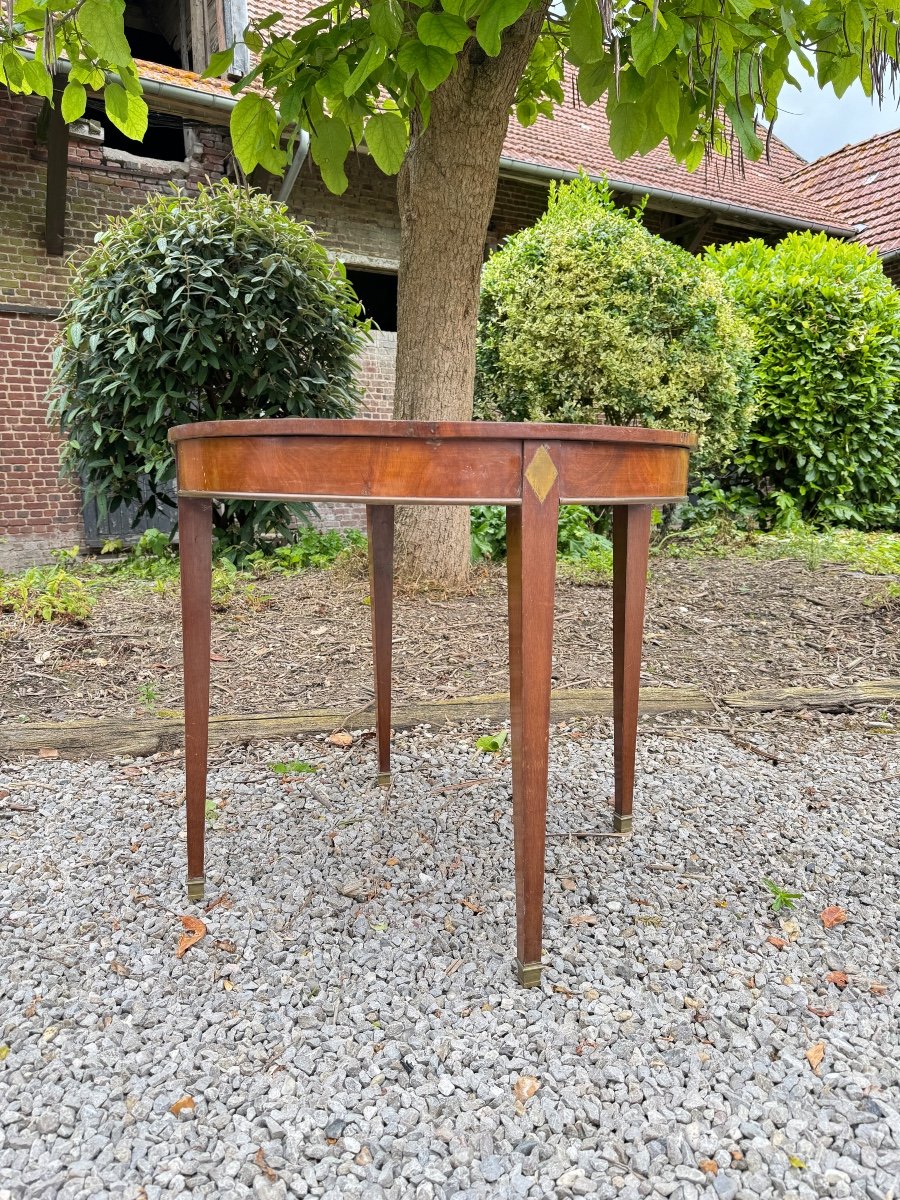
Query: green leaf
x,y
374,56
127,112
253,41
253,128
386,21
430,63
497,16
466,9
443,29
526,112
330,145
38,78
102,25
627,124
74,101
387,139
219,63
650,46
667,102
586,33
594,79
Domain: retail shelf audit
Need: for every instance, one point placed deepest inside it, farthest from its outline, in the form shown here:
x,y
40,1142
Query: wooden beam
x,y
57,172
825,699
148,735
199,37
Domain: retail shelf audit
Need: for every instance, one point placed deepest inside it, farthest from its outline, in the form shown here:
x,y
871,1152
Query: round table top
x,y
425,430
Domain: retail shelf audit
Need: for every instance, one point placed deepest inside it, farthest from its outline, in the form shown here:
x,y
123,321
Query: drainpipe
x,y
300,153
514,168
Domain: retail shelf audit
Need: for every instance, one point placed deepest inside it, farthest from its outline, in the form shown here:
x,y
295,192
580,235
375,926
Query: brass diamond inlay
x,y
541,473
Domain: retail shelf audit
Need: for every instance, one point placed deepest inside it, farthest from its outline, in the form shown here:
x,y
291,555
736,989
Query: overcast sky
x,y
815,122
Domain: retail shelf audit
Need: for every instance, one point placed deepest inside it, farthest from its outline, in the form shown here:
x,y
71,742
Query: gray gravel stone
x,y
350,1026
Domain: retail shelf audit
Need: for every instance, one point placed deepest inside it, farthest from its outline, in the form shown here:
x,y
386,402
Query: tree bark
x,y
446,189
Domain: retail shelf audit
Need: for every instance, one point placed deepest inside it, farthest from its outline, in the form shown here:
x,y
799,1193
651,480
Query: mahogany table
x,y
531,469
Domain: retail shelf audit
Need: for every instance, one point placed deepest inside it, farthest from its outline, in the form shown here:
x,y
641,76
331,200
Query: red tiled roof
x,y
862,183
578,137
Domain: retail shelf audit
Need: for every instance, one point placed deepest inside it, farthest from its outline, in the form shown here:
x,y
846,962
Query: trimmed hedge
x,y
194,308
824,444
588,317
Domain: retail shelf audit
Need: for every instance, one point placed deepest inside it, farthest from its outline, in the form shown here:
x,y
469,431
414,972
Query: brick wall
x,y
37,510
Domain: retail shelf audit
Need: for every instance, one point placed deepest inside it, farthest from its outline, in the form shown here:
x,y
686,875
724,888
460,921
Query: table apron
x,y
399,470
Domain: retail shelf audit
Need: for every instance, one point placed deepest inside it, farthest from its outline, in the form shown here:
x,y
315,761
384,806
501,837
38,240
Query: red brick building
x,y
57,187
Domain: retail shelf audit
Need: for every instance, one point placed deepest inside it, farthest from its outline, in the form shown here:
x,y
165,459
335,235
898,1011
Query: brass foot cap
x,y
384,779
529,973
196,888
622,824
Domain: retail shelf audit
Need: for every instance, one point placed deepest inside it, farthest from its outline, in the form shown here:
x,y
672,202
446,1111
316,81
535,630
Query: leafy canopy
x,y
198,308
692,73
589,317
824,444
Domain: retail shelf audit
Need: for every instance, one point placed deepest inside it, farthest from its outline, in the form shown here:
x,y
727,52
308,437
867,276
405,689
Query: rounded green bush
x,y
192,308
824,444
588,317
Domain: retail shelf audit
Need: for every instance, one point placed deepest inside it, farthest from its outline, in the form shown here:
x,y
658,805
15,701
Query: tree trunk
x,y
446,190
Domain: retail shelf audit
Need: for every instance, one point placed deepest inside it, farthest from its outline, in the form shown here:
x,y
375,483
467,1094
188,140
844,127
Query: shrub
x,y
588,317
824,444
198,308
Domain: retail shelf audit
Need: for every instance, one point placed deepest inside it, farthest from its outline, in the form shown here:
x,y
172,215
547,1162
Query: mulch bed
x,y
718,624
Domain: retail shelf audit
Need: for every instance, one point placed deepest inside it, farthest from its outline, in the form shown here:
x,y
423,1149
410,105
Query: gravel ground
x,y
349,1025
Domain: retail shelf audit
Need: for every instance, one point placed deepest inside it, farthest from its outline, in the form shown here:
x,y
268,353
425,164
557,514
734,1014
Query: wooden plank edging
x,y
106,737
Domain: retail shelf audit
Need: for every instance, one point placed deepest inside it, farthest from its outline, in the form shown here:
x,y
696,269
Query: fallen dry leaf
x,y
134,847
814,1056
583,919
392,861
569,885
217,658
791,928
820,1012
563,991
223,901
591,994
196,930
185,1104
224,944
131,772
878,989
777,942
838,978
118,968
523,1089
260,1161
473,905
709,1165
340,738
833,915
31,1010
227,985
46,752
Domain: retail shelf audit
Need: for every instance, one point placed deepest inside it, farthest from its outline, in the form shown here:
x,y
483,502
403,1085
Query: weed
x,y
781,898
46,594
295,767
148,695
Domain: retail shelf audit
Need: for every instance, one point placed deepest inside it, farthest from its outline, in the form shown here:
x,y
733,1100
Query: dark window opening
x,y
377,292
164,138
153,32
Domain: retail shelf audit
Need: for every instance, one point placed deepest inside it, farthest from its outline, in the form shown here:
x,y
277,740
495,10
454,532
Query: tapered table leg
x,y
531,570
195,552
380,525
631,546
